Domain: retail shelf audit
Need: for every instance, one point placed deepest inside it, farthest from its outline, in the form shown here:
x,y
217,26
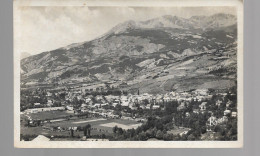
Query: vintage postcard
x,y
128,74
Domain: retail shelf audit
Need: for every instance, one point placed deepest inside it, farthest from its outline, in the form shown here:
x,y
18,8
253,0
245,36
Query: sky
x,y
48,28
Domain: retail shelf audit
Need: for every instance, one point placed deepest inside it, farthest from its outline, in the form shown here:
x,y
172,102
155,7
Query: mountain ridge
x,y
132,23
138,52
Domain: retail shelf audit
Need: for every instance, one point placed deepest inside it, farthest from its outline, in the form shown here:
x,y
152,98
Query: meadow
x,y
99,125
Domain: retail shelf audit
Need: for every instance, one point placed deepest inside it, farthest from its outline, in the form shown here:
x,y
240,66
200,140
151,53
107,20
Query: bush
x,y
168,137
191,137
159,135
203,129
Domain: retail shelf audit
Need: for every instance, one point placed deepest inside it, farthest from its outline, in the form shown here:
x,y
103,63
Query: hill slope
x,y
158,55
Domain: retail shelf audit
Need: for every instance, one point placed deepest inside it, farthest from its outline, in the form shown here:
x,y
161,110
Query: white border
x,y
127,144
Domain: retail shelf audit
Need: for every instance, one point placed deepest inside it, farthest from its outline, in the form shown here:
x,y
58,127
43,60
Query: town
x,y
107,113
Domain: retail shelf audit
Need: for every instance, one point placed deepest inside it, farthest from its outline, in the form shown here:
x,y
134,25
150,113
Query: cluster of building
x,y
104,105
43,109
144,101
214,121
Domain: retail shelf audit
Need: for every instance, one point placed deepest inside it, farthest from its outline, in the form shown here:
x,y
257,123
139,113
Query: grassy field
x,y
113,124
99,126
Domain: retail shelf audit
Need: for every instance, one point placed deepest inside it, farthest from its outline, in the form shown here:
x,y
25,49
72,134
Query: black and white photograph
x,y
101,76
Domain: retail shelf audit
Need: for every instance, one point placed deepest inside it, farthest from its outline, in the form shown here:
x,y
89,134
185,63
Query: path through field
x,y
88,121
58,120
113,124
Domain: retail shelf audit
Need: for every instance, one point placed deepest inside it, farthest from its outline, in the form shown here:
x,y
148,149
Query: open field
x,y
79,122
99,123
113,124
99,126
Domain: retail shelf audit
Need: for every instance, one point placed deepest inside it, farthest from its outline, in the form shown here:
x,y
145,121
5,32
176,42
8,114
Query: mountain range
x,y
156,56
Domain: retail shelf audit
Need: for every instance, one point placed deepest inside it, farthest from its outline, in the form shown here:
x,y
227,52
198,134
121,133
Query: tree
x,y
159,135
132,132
145,101
71,132
191,137
87,130
103,136
57,104
150,133
203,129
217,129
167,137
115,129
159,126
120,131
142,136
38,122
